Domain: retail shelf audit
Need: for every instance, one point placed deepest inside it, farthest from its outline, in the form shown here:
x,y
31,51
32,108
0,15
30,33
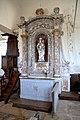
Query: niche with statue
x,y
41,48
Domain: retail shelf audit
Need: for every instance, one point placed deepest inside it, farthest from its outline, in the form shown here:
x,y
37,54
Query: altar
x,y
36,89
40,89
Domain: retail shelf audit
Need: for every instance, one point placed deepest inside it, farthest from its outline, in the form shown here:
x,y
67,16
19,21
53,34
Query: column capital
x,y
24,37
56,32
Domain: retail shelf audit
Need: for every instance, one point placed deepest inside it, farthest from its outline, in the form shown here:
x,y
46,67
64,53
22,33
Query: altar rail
x,y
55,94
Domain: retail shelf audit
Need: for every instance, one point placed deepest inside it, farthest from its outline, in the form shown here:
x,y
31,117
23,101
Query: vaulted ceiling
x,y
11,10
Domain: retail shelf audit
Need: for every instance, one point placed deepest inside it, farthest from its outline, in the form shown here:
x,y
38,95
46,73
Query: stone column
x,y
24,54
24,37
56,33
57,30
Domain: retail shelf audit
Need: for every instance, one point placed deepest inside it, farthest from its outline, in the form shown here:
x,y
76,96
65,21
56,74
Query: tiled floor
x,y
67,110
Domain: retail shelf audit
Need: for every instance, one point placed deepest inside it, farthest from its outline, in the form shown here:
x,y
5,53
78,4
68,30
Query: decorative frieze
x,y
38,25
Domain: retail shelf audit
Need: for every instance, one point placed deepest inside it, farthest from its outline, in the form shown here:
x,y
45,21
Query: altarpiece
x,y
41,55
